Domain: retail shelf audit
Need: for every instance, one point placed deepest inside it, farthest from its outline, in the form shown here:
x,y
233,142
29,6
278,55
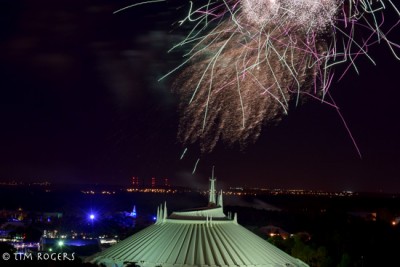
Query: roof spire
x,y
161,213
165,210
158,214
212,199
220,202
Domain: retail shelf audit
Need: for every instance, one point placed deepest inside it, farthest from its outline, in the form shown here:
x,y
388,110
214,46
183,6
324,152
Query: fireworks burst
x,y
239,79
250,59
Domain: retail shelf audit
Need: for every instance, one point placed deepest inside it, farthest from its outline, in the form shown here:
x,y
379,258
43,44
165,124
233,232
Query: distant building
x,y
135,182
271,231
18,214
196,237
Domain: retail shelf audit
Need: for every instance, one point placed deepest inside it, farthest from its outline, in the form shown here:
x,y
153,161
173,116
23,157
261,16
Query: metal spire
x,y
212,199
165,211
220,202
161,213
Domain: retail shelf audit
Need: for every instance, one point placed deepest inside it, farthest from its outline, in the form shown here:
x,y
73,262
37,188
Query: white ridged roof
x,y
195,238
175,243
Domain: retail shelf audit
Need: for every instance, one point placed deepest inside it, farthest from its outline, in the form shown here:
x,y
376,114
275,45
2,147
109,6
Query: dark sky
x,y
80,103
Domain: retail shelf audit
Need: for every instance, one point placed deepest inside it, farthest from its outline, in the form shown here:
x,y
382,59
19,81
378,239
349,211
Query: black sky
x,y
80,103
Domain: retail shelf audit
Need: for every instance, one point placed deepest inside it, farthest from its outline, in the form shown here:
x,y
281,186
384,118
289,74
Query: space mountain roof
x,y
198,237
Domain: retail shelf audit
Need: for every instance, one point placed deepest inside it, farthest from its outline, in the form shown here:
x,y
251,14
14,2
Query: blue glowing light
x,y
92,217
133,213
154,218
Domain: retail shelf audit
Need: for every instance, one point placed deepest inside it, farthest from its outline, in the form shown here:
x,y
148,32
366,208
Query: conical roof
x,y
201,237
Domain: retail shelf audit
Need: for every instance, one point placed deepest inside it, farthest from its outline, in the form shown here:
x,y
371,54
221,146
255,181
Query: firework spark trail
x,y
250,59
219,106
266,60
138,4
195,165
261,55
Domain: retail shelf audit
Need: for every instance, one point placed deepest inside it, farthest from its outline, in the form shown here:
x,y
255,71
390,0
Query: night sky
x,y
80,103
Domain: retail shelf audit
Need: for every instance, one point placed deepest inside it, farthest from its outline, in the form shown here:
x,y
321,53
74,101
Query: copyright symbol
x,y
6,256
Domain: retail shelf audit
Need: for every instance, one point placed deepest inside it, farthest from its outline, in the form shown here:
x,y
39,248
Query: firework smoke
x,y
261,55
250,59
241,79
247,70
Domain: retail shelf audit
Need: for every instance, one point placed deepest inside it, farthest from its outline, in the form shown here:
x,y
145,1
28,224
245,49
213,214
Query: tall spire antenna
x,y
212,200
